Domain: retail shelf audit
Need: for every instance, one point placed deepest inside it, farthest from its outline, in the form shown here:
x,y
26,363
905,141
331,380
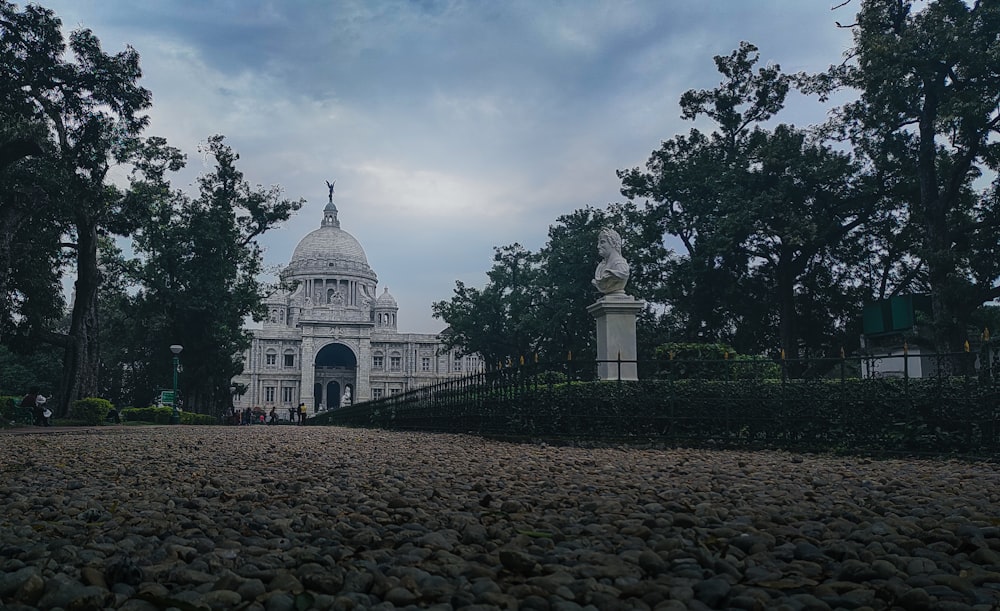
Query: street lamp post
x,y
175,418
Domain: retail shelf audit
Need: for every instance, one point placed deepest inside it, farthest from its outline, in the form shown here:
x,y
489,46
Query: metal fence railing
x,y
851,399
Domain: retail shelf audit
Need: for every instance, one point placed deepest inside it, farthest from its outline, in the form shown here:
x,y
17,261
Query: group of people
x,y
256,415
247,416
35,401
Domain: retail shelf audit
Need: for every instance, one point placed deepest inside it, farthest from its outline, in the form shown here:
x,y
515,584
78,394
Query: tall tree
x,y
569,257
758,211
31,262
536,303
930,93
199,268
802,201
568,260
91,105
500,321
20,147
28,248
692,187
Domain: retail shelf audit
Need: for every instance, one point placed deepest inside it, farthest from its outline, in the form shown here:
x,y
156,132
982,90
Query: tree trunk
x,y
82,359
937,241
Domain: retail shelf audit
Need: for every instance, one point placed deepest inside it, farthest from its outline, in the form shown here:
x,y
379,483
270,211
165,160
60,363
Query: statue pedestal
x,y
615,316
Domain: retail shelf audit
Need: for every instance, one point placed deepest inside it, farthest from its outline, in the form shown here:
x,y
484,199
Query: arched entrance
x,y
336,366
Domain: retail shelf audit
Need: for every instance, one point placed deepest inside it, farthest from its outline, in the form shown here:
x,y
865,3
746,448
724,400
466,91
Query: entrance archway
x,y
336,366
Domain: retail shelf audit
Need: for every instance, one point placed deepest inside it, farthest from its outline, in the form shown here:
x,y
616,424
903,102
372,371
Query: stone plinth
x,y
615,314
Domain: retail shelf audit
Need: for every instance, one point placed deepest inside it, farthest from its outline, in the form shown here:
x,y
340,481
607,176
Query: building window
x,y
377,360
425,363
473,363
395,362
271,359
269,394
376,393
457,365
289,360
393,392
287,394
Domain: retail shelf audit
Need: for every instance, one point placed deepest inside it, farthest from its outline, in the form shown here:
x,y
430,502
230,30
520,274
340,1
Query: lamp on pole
x,y
175,418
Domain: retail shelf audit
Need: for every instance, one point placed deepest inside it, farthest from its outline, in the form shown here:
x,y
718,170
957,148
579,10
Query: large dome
x,y
329,244
329,250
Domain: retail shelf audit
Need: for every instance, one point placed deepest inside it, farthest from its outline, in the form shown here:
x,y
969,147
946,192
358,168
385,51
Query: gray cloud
x,y
450,126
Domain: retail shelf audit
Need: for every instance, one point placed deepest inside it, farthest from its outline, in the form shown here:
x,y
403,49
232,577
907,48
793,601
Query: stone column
x,y
363,373
308,363
615,314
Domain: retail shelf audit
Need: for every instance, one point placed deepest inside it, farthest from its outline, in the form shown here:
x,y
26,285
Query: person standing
x,y
43,412
302,413
29,402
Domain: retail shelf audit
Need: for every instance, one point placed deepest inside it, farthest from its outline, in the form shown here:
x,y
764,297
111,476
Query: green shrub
x,y
684,360
193,418
10,413
91,410
745,366
551,377
693,351
161,415
154,415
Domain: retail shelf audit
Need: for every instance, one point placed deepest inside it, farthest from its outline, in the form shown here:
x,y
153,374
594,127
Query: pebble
x,y
282,518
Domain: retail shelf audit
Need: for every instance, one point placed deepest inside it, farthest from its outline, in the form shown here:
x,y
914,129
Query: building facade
x,y
332,339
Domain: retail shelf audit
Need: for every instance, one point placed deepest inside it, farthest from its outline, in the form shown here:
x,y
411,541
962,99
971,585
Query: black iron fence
x,y
903,402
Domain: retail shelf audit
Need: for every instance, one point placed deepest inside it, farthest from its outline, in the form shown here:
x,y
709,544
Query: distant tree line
x,y
69,113
786,232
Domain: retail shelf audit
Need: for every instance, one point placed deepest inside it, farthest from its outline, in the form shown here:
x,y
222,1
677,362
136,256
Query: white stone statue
x,y
346,399
613,270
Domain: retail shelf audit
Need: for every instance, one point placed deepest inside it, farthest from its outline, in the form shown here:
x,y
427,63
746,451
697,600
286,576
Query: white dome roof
x,y
329,244
329,250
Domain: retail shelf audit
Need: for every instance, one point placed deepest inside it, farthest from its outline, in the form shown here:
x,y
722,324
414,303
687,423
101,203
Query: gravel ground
x,y
285,518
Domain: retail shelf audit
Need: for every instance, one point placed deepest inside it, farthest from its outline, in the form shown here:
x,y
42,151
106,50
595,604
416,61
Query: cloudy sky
x,y
450,126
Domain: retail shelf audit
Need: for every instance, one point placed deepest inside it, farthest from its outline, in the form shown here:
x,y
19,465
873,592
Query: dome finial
x,y
329,185
330,212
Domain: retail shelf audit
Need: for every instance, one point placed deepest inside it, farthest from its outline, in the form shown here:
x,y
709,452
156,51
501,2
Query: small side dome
x,y
384,312
385,300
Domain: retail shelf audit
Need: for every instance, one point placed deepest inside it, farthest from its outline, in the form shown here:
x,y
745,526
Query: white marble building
x,y
333,332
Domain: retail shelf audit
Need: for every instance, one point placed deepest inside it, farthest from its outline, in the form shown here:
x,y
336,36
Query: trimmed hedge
x,y
90,411
684,360
161,415
953,415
